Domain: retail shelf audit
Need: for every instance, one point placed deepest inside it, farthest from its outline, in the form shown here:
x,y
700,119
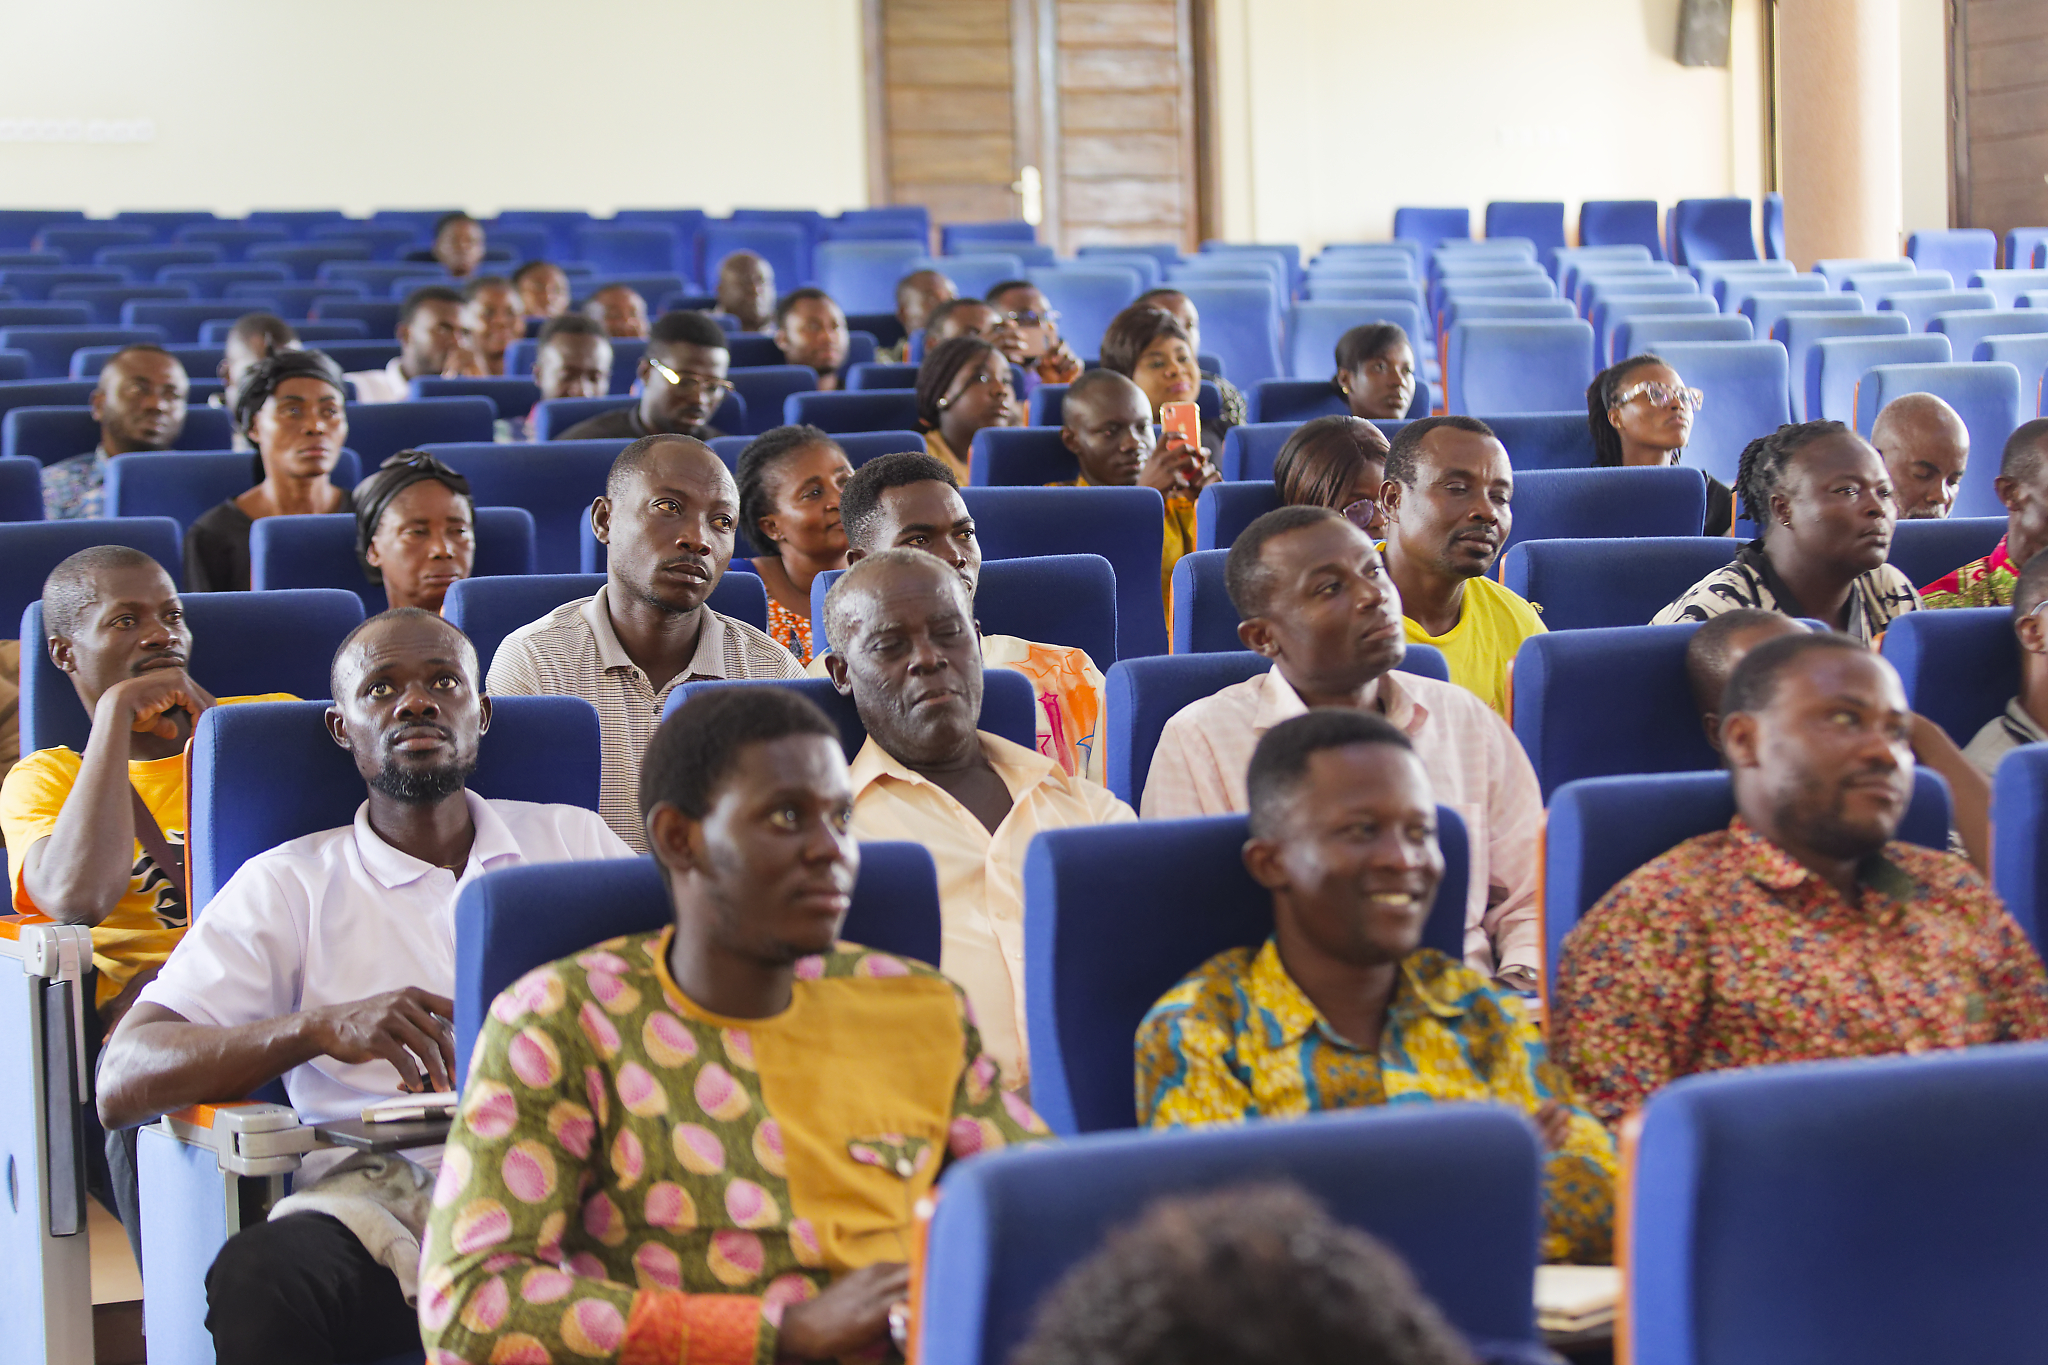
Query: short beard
x,y
423,786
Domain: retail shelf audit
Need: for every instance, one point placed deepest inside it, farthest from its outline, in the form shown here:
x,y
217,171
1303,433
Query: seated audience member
x,y
292,411
1148,347
918,295
1342,1007
458,245
2022,485
682,383
140,405
1188,316
543,289
910,501
1376,372
1719,645
746,290
429,330
415,529
865,1068
619,309
491,320
1446,504
253,337
963,385
1317,601
961,318
790,480
1259,1275
811,330
1640,413
668,515
1104,420
1925,447
1338,463
328,961
1804,930
2022,721
98,838
572,359
1822,504
1028,333
908,654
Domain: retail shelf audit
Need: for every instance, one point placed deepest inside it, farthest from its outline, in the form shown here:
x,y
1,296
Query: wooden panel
x,y
947,21
974,65
1995,22
1147,23
1125,201
950,111
1118,69
941,74
2008,114
1114,112
979,159
2008,66
1125,154
951,202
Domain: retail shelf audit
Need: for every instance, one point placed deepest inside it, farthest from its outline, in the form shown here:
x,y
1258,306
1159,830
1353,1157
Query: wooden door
x,y
1999,93
941,108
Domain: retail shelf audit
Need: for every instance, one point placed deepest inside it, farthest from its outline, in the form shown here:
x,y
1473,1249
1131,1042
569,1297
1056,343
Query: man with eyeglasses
x,y
682,382
1316,600
810,329
1028,334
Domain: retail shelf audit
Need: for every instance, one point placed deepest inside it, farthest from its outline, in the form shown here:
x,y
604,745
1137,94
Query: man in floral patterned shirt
x,y
1803,931
704,1145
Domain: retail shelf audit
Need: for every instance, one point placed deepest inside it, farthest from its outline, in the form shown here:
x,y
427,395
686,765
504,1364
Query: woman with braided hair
x,y
1822,500
963,385
1640,413
790,479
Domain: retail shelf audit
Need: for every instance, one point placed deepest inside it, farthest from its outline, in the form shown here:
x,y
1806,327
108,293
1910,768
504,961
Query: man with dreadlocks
x,y
1822,502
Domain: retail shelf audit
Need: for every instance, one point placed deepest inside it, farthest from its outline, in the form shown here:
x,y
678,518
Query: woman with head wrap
x,y
292,411
415,529
963,385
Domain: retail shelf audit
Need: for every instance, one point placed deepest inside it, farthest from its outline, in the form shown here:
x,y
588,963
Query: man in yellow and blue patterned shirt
x,y
1341,1008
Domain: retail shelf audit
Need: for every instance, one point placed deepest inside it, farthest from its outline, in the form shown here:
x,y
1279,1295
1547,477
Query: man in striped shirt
x,y
667,515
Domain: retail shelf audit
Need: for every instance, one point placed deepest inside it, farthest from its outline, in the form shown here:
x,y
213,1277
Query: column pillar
x,y
1840,146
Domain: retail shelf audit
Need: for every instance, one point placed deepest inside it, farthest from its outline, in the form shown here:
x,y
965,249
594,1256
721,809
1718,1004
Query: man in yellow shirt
x,y
907,652
1447,496
98,838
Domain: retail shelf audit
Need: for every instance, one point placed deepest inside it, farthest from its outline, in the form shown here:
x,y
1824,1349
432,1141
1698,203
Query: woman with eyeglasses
x,y
1376,372
790,479
415,530
1339,463
963,385
1149,347
292,410
1640,413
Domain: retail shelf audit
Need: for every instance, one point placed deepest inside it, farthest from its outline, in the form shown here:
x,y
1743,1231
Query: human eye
x,y
122,622
784,818
668,506
378,689
448,682
841,818
724,521
175,614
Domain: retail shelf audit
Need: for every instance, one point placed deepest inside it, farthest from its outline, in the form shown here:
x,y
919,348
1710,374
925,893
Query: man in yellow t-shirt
x,y
1447,496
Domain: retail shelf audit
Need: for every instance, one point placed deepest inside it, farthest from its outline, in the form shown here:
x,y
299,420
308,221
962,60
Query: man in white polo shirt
x,y
668,515
429,327
330,961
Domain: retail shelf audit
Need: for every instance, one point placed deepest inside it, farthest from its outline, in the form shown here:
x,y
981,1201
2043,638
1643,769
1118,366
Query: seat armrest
x,y
245,1138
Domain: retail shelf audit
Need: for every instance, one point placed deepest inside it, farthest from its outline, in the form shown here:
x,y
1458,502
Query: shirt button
x,y
903,1166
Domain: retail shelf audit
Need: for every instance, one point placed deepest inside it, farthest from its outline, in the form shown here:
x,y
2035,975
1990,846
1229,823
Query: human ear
x,y
1740,740
672,838
835,669
337,728
1257,636
601,520
1262,860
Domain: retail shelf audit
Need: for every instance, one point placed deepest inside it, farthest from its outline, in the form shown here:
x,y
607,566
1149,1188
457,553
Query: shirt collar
x,y
707,662
1279,701
2020,718
392,868
1276,993
1020,768
396,370
1773,868
2000,558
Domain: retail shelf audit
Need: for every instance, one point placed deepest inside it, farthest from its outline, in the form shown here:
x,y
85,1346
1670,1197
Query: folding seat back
x,y
1886,279
1959,667
2007,285
1250,450
511,396
1511,367
304,259
21,489
1713,275
163,224
1087,297
1970,326
1837,365
372,277
145,261
2019,838
1621,222
53,434
296,222
1047,400
872,410
979,236
289,300
1838,270
1921,307
1801,331
1612,311
1926,548
1597,286
45,393
1338,286
1241,325
487,609
2028,354
1730,290
1711,230
30,549
1748,395
553,416
861,276
858,446
1066,600
1467,309
1126,526
1531,284
1986,396
1541,223
49,348
2022,244
68,314
1583,584
185,485
1764,310
877,374
232,240
1163,254
180,319
627,353
1009,707
1576,279
974,273
1579,504
1959,251
1600,702
79,244
1151,270
1020,457
106,301
377,431
1314,328
1428,226
34,285
1288,254
386,242
1748,1226
1653,332
1116,915
1292,401
320,552
1774,226
556,481
1223,510
784,246
616,247
378,316
1536,440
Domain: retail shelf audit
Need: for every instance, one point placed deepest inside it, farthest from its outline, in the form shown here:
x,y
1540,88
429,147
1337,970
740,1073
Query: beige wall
x,y
1335,113
362,104
1923,113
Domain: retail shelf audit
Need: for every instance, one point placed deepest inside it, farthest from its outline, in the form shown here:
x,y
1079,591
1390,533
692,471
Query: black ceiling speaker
x,y
1703,32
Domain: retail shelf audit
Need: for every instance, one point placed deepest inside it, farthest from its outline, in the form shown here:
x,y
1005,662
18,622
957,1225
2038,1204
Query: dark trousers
x,y
303,1291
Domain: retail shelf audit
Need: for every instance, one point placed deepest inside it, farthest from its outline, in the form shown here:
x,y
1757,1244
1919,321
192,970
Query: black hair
x,y
700,745
940,368
135,348
1244,570
757,463
1408,440
1754,683
70,587
448,220
274,369
1092,379
269,326
1133,330
519,275
860,502
788,302
2032,588
570,324
684,327
946,310
1144,300
1323,458
839,623
1368,341
1761,471
2024,451
482,282
1002,287
743,254
906,284
633,458
382,486
424,295
334,688
1600,396
1706,653
1258,1275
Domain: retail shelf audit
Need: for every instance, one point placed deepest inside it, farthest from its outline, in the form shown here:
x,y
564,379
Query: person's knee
x,y
269,1256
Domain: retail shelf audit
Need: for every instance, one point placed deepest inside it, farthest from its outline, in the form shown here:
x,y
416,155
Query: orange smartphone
x,y
1185,419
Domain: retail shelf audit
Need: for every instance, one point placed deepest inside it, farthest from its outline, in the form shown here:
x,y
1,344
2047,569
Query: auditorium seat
x,y
53,434
1577,274
1612,312
380,316
296,222
1766,309
1964,329
34,285
627,247
377,431
45,315
785,246
2019,838
180,320
1621,222
1124,525
973,273
372,277
21,489
1067,600
1223,510
49,348
1716,277
1510,367
1774,226
1926,548
977,236
1610,582
627,353
1801,331
1732,291
871,410
183,485
289,300
1987,398
304,259
1553,504
1838,364
1600,702
78,243
1703,230
1748,395
1315,328
233,239
105,301
1087,295
2007,285
387,242
30,549
1652,333
320,552
556,481
1020,457
859,446
212,281
879,375
489,609
513,397
1046,399
1009,707
1886,279
1959,251
1960,666
1241,325
2029,355
243,644
1921,307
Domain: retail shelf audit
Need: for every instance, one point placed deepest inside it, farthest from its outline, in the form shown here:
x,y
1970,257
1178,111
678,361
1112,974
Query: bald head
x,y
409,628
876,572
1925,447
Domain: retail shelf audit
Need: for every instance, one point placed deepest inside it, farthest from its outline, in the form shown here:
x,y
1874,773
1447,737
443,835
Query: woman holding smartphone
x,y
1149,347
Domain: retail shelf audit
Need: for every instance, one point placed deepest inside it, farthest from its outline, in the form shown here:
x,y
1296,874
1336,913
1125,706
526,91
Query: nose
x,y
954,555
161,635
416,702
925,656
694,533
